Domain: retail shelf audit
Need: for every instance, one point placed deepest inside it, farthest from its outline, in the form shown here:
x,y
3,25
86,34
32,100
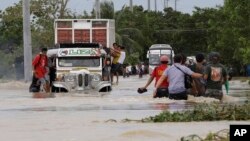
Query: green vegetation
x,y
205,112
224,29
222,135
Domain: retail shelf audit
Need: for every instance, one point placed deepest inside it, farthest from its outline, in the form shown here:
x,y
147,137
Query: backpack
x,y
39,60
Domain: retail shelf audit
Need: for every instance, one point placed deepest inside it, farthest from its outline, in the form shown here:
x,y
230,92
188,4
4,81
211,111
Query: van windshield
x,y
154,59
79,61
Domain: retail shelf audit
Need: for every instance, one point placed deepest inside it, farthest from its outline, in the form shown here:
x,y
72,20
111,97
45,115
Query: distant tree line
x,y
224,29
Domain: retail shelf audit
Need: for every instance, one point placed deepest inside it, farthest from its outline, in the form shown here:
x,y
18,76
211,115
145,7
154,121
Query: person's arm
x,y
158,84
205,76
148,82
196,75
34,63
206,72
114,52
193,74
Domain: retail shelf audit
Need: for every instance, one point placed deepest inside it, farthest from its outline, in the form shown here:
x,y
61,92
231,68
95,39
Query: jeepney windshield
x,y
79,61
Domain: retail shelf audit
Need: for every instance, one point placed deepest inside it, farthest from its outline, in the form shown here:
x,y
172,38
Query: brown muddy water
x,y
99,116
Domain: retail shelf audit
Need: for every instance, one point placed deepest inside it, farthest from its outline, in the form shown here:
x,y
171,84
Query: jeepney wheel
x,y
106,89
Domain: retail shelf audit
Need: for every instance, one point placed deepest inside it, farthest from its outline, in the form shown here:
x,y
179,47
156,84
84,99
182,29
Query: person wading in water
x,y
175,75
162,91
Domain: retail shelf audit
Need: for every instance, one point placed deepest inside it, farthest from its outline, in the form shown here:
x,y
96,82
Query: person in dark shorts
x,y
199,84
162,91
216,75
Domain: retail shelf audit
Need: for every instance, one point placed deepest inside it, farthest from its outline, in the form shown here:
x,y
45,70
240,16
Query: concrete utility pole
x,y
148,5
27,41
155,6
131,5
97,9
175,5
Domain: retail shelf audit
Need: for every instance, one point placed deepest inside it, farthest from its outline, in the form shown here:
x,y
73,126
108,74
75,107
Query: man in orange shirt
x,y
157,72
40,69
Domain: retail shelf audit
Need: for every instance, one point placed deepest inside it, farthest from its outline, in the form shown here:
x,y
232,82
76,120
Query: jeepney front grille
x,y
83,79
86,80
80,80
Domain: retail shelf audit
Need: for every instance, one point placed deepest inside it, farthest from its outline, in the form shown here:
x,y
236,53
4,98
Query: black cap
x,y
214,57
44,49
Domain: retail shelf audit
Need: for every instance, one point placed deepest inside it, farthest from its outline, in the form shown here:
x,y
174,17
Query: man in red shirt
x,y
40,69
162,91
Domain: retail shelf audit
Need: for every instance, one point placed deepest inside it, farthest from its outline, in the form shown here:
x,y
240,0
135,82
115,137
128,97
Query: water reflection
x,y
155,106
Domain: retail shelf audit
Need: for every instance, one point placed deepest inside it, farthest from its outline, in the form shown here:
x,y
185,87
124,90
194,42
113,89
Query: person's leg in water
x,y
112,73
118,69
42,83
47,78
45,85
117,77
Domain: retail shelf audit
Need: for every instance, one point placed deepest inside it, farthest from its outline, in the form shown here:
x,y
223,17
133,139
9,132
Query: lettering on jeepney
x,y
79,52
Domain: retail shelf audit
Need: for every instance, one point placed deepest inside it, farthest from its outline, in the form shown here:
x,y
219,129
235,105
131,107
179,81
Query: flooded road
x,y
99,116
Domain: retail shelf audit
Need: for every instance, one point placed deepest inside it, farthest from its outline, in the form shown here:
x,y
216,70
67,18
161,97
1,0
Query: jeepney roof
x,y
52,52
160,46
79,45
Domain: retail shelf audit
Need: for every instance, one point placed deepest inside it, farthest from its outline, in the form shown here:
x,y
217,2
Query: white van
x,y
154,53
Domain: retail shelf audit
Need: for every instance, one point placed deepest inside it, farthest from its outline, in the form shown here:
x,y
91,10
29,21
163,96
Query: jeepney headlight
x,y
69,78
96,77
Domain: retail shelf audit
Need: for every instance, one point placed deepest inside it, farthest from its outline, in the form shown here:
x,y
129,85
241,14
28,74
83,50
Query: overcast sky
x,y
186,6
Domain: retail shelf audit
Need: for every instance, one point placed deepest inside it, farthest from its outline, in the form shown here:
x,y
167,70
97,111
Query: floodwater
x,y
100,116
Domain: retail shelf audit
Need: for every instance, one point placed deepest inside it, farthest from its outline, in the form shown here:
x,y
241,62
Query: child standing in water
x,y
106,70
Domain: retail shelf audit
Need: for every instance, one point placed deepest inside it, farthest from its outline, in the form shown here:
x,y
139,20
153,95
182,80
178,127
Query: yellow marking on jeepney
x,y
67,71
87,69
80,68
63,71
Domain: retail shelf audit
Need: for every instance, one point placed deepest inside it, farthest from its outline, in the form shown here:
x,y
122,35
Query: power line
x,y
182,30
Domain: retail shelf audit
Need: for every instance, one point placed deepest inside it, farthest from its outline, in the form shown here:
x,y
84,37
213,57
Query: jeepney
x,y
78,68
